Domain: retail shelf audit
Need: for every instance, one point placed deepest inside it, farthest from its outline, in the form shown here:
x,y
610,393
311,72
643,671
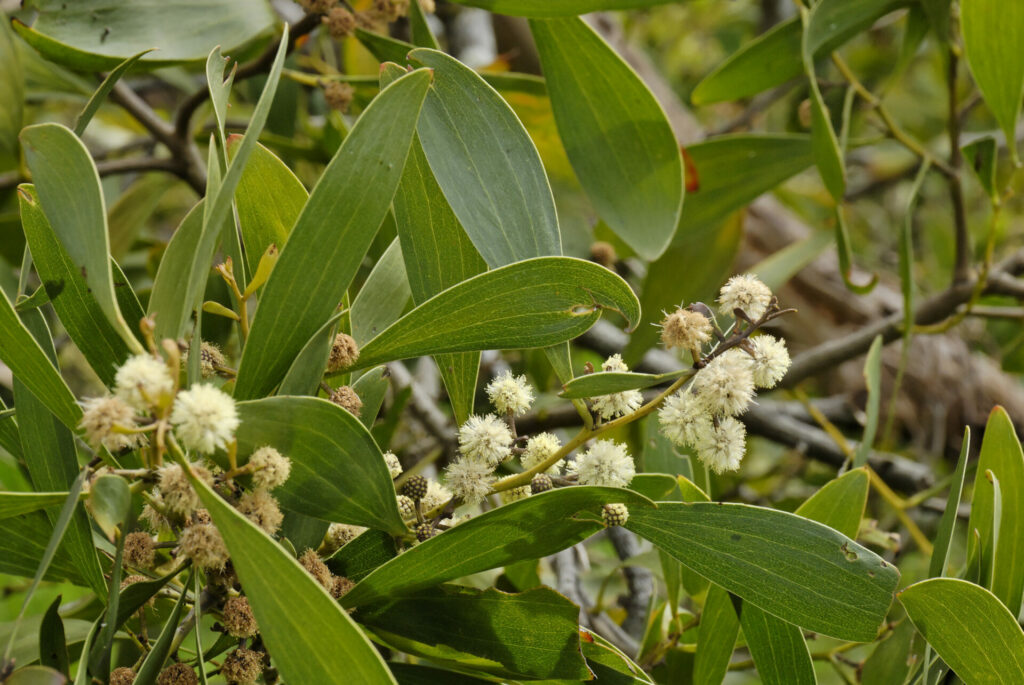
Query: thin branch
x,y
962,239
111,167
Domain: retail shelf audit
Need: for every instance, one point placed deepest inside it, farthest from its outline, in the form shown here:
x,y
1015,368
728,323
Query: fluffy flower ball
x,y
685,329
394,466
726,385
437,495
510,394
469,479
770,360
539,448
605,463
100,415
617,403
747,293
204,418
143,381
340,534
682,417
722,446
270,468
486,438
614,363
176,491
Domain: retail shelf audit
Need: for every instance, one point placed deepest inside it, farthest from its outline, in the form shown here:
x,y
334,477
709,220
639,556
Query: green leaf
x,y
799,570
615,134
982,157
419,28
654,486
18,503
69,191
338,472
415,674
36,675
270,198
774,57
312,638
82,677
970,629
776,269
947,524
186,264
873,381
894,656
23,540
361,556
533,303
332,235
719,628
1000,453
371,387
527,529
607,382
73,298
993,32
110,501
438,255
53,649
86,115
95,35
12,92
828,156
840,503
486,164
131,212
562,8
383,297
307,370
778,648
534,634
154,661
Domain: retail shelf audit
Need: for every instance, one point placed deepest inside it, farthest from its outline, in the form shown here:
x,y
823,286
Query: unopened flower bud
x,y
394,466
415,488
340,534
604,254
406,507
541,483
425,531
515,494
614,514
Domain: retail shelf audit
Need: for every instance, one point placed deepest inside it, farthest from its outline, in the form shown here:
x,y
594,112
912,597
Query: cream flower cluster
x,y
510,394
616,403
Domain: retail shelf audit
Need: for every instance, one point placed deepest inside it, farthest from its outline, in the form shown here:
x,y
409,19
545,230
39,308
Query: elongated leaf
x,y
719,627
94,35
371,387
415,674
615,134
72,297
534,634
189,263
36,675
331,235
776,269
154,661
606,382
873,381
312,639
361,556
23,541
533,303
270,198
562,8
944,535
12,92
17,503
982,157
110,500
969,627
486,164
307,370
130,213
993,32
840,503
778,648
419,28
828,155
774,58
53,650
799,570
383,297
85,116
1000,453
528,529
338,472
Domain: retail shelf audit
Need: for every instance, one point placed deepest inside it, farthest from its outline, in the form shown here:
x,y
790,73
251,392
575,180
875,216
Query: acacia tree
x,y
420,422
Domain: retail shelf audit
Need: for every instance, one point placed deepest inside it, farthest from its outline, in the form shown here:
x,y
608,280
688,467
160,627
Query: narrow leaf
x,y
873,381
947,524
383,297
154,661
18,503
719,627
85,116
607,382
779,651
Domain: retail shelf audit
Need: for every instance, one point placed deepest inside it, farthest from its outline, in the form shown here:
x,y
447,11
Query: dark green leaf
x,y
414,674
798,570
828,156
533,303
606,382
338,472
23,541
12,92
360,556
419,28
371,387
36,675
85,116
129,215
154,661
527,529
719,628
615,133
331,235
383,297
840,503
534,634
778,648
969,628
981,156
944,534
308,367
18,503
873,381
53,650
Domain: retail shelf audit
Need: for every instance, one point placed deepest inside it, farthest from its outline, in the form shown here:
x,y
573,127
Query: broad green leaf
x,y
187,266
607,382
774,58
527,529
486,164
873,381
154,661
655,486
533,303
71,295
27,647
383,297
719,627
308,367
110,501
969,628
1000,453
36,675
893,656
615,134
270,198
608,662
562,8
776,269
415,674
947,524
134,596
438,255
53,648
68,186
86,115
95,35
23,541
778,648
338,472
312,638
18,503
371,387
49,451
799,570
534,634
12,92
331,235
840,503
993,32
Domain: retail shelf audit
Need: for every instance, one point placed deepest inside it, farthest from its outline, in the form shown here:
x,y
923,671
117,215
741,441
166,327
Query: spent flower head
x,y
176,492
747,293
605,463
486,438
202,543
510,394
204,418
101,418
260,507
685,329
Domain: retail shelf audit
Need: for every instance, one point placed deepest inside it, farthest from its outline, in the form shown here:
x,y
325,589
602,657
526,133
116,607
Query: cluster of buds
x,y
702,415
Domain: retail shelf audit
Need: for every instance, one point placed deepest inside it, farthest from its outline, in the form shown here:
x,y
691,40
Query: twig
x,y
111,167
962,239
